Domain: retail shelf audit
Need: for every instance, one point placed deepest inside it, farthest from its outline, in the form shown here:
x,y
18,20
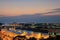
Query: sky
x,y
30,11
28,7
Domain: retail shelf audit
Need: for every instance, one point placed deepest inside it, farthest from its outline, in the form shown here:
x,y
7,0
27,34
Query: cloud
x,y
57,9
53,12
50,17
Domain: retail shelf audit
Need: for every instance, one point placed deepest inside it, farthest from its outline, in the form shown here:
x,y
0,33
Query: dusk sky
x,y
30,11
23,7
